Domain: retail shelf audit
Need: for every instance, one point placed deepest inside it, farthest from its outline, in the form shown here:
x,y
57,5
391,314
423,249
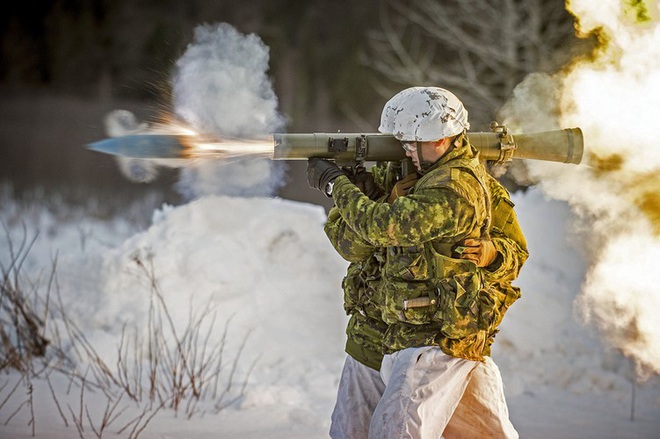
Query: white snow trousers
x,y
421,393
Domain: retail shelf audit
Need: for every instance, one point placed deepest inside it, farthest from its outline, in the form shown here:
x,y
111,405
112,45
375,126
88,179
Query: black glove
x,y
364,180
320,172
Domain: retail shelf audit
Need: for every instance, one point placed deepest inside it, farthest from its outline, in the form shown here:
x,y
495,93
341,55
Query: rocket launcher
x,y
353,149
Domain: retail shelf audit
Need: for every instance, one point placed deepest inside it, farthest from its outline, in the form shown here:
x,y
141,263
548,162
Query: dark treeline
x,y
66,63
333,63
110,49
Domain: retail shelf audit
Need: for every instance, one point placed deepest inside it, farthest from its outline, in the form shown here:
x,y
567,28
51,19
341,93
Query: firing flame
x,y
203,146
614,96
231,148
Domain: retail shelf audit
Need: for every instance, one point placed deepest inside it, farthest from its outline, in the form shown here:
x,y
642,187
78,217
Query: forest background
x,y
66,63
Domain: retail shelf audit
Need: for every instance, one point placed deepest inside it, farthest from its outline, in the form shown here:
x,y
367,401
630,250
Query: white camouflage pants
x,y
421,393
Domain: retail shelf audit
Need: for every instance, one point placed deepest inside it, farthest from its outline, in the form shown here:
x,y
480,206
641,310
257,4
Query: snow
x,y
262,267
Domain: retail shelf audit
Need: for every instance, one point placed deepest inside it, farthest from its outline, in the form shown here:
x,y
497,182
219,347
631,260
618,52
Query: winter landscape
x,y
262,269
221,315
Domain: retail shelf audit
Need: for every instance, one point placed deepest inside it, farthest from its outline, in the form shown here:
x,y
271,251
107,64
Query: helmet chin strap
x,y
425,165
419,152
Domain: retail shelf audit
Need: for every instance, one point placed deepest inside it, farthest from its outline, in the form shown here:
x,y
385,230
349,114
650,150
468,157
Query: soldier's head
x,y
425,120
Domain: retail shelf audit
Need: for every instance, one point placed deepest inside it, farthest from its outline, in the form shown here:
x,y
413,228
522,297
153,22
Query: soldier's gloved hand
x,y
480,251
321,172
364,180
402,187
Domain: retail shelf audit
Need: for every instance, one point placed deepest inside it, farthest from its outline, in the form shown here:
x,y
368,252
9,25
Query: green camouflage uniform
x,y
403,251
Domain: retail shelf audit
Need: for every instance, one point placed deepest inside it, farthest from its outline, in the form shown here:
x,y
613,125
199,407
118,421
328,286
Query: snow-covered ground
x,y
264,266
253,281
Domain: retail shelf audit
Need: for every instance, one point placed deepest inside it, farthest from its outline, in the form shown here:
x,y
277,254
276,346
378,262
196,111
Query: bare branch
x,y
478,48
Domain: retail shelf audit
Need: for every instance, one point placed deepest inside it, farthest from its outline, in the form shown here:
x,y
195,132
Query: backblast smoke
x,y
614,96
221,88
221,91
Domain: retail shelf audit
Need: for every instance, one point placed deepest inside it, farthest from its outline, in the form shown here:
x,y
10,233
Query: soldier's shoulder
x,y
462,181
436,178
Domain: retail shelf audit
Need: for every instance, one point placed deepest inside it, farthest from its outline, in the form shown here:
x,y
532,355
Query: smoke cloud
x,y
221,88
221,91
615,98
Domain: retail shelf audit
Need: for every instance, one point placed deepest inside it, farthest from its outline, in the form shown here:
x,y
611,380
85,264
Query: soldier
x,y
422,313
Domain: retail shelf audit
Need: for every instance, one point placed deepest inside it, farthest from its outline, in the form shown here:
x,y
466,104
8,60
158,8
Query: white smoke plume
x,y
221,85
222,92
614,96
221,88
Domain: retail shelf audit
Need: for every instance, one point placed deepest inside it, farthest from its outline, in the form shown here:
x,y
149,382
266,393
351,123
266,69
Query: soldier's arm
x,y
503,254
411,220
347,243
506,236
512,254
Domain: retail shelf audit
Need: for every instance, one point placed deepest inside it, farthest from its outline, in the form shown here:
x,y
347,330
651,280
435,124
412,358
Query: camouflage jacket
x,y
380,277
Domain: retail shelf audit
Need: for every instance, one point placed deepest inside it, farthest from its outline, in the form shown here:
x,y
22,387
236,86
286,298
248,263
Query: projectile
x,y
143,146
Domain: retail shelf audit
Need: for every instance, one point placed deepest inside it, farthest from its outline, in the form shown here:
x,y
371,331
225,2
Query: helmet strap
x,y
425,165
419,152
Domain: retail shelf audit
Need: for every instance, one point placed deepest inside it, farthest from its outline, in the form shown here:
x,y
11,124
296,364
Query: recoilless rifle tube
x,y
565,146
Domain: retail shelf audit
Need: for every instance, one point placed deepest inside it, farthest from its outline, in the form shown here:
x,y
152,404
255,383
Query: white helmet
x,y
423,114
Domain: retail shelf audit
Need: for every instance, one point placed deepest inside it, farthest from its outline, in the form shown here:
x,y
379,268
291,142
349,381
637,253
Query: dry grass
x,y
156,366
